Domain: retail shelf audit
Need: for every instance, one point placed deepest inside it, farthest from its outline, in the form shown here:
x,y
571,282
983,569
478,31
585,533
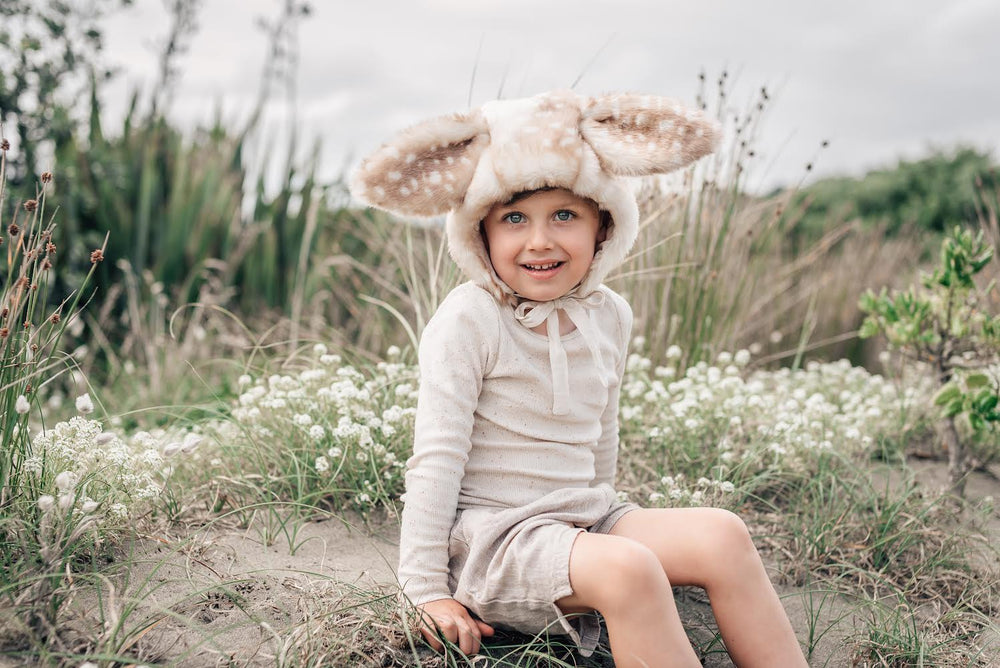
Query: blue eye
x,y
514,218
565,215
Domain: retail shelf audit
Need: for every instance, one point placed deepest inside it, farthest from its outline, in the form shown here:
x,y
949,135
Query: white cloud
x,y
878,79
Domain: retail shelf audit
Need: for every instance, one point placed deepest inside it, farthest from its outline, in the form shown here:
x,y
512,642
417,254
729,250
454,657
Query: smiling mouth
x,y
542,267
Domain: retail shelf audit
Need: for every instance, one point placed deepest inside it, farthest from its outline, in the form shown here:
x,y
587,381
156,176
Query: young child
x,y
510,515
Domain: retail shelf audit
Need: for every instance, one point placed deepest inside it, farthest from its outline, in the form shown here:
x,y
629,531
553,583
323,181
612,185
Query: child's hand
x,y
454,623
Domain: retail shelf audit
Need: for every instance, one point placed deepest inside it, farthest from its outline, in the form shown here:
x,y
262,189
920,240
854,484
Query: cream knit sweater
x,y
485,433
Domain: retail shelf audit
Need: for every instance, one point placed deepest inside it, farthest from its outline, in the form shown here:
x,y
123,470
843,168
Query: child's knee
x,y
727,534
623,573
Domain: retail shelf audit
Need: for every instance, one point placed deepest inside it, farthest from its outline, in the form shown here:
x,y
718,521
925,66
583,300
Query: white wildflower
x,y
322,464
65,481
674,352
319,349
316,432
85,404
118,511
191,442
244,380
334,453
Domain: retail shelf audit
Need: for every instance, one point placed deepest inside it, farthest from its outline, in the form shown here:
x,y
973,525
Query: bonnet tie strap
x,y
531,314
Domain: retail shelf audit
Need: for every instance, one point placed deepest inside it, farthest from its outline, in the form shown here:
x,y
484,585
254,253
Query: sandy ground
x,y
222,597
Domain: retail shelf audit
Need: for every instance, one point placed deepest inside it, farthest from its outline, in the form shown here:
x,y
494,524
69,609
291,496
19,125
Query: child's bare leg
x,y
625,581
711,548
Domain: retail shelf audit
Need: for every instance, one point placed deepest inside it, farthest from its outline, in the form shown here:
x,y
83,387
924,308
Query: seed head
x,y
27,324
22,282
4,332
55,318
50,248
4,145
31,205
4,312
46,264
13,230
85,404
97,256
46,177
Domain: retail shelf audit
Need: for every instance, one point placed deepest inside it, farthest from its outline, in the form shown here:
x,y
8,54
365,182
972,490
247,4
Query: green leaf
x,y
954,408
986,401
975,380
946,394
869,328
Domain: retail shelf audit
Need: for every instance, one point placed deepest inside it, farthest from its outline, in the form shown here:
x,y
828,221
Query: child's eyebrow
x,y
570,204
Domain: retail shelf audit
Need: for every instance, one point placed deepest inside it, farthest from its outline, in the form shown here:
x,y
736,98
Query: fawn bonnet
x,y
464,163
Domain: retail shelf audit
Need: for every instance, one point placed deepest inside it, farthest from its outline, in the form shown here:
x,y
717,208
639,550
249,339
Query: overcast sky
x,y
879,79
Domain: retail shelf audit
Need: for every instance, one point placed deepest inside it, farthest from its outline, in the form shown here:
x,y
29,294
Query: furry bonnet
x,y
464,163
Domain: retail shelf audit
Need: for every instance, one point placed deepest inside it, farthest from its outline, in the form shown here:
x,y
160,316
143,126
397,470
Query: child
x,y
510,514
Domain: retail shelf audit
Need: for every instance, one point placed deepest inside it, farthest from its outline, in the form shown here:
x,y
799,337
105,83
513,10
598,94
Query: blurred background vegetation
x,y
202,257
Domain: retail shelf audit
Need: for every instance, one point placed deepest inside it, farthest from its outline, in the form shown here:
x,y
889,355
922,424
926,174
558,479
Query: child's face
x,y
541,246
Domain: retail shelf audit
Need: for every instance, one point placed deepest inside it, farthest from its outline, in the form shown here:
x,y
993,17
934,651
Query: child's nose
x,y
540,237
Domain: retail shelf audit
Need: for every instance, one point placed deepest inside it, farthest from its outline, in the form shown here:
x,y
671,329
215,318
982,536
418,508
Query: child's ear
x,y
636,135
425,170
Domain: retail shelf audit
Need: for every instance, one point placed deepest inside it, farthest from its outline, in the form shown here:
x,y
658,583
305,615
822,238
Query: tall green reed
x,y
39,536
30,327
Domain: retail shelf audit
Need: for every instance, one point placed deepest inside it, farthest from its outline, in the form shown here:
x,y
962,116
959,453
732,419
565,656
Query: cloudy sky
x,y
880,79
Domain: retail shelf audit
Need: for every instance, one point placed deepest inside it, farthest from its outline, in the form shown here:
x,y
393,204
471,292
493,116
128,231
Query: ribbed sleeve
x,y
454,358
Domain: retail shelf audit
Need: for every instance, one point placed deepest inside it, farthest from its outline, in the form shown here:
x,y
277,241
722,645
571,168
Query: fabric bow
x,y
531,314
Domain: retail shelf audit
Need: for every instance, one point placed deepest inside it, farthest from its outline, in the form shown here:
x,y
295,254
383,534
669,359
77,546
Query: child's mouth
x,y
542,268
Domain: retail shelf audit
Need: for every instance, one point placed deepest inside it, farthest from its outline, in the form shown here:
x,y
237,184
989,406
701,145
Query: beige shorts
x,y
509,566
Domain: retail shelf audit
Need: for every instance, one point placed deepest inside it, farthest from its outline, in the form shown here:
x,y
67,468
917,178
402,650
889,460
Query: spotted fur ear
x,y
426,169
636,135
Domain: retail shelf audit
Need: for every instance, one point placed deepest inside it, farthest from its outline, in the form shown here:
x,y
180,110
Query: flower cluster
x,y
676,491
80,467
718,420
350,429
